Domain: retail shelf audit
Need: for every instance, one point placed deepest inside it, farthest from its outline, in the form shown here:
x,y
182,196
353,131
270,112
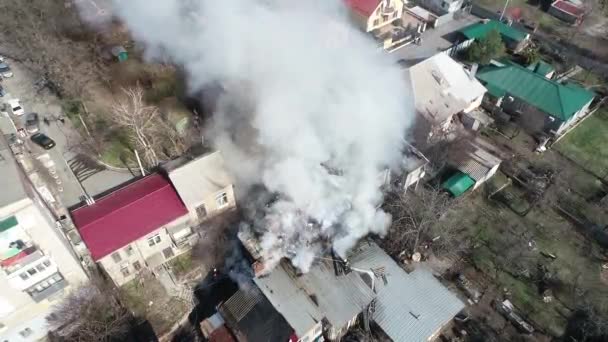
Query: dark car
x,y
2,92
43,141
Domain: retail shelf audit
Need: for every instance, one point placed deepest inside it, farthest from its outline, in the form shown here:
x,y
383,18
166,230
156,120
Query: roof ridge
x,y
129,204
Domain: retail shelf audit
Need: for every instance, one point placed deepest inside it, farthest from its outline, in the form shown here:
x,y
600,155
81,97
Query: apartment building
x,y
37,264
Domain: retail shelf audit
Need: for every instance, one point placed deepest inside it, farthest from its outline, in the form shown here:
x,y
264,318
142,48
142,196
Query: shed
x,y
458,183
119,52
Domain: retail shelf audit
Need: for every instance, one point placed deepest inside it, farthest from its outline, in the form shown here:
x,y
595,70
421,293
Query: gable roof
x,y
365,7
304,300
442,87
481,29
409,306
127,214
568,7
561,101
251,314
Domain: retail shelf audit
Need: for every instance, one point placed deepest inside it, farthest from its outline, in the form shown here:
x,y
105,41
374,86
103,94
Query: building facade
x,y
140,226
38,267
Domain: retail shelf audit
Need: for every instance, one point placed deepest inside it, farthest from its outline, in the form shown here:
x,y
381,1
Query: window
x,y
32,271
136,266
24,276
26,332
376,22
125,271
221,199
47,263
168,252
201,211
154,240
116,257
129,250
40,268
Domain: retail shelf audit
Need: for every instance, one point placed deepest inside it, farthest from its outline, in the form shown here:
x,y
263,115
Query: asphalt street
x,y
71,166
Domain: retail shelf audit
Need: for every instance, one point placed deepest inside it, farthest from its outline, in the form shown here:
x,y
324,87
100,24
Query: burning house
x,y
367,286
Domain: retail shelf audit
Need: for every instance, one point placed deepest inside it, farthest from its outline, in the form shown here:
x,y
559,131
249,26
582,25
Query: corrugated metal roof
x,y
252,316
471,158
558,100
409,307
128,214
306,299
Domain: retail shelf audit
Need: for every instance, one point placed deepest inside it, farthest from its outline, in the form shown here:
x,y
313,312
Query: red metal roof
x,y
365,7
568,7
221,334
127,214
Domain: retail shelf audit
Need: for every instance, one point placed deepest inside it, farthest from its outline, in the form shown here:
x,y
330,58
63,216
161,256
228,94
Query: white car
x,y
15,107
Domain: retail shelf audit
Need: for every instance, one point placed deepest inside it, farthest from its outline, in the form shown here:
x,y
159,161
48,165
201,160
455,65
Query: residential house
x,y
441,88
412,168
388,21
139,226
333,295
567,11
317,300
203,184
408,306
37,266
513,38
475,161
251,318
374,14
541,105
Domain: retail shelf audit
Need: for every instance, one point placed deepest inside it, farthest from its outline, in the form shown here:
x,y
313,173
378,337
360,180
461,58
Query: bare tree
x,y
50,40
90,313
420,216
147,129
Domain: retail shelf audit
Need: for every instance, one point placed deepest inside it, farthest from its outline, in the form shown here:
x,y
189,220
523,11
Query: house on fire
x,y
539,104
442,88
329,299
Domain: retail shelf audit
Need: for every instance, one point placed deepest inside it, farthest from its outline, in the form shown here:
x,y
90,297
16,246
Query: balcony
x,y
23,257
47,287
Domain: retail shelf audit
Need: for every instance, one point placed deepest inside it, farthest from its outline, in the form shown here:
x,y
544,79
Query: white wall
x,y
26,313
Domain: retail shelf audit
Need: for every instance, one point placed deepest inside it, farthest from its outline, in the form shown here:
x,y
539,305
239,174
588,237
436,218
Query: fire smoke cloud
x,y
305,93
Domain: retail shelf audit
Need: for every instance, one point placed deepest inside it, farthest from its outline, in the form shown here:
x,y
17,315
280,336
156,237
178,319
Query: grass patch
x,y
181,264
586,143
116,154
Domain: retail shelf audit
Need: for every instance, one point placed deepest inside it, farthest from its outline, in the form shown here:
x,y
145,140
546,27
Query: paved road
x,y
71,166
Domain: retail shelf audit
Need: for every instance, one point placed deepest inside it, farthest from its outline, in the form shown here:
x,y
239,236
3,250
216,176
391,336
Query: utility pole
x,y
141,168
503,10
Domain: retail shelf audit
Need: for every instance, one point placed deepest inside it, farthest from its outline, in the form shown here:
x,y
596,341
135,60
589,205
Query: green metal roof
x,y
561,101
8,223
481,29
541,67
458,183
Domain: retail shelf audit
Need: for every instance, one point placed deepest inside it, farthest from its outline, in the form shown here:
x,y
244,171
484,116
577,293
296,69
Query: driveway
x,y
78,173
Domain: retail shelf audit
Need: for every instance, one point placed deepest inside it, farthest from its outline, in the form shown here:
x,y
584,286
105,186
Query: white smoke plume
x,y
305,93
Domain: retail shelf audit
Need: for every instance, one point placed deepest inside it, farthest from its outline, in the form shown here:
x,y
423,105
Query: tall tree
x,y
482,51
90,313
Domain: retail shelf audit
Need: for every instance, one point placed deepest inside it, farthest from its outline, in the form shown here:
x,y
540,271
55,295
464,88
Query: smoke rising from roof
x,y
305,94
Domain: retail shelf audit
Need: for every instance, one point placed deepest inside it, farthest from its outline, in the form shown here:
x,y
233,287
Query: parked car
x,y
2,91
32,123
43,141
15,107
5,70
